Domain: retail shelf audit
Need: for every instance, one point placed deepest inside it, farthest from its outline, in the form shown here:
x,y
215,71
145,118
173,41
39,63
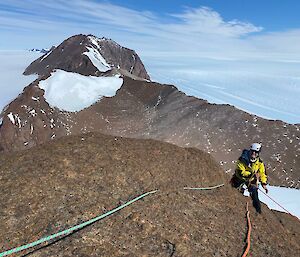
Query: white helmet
x,y
255,147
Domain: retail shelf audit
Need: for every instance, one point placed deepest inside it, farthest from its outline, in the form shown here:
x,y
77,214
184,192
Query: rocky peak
x,y
89,55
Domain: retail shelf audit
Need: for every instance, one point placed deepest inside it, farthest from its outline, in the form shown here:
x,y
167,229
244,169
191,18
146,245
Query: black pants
x,y
252,188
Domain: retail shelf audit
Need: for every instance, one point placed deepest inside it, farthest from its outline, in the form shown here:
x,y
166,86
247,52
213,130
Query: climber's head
x,y
254,151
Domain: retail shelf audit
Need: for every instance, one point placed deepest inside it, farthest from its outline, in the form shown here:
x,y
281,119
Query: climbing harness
x,y
69,230
248,234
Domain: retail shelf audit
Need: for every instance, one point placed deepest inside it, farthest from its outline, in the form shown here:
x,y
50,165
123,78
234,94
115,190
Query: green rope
x,y
69,230
84,224
201,188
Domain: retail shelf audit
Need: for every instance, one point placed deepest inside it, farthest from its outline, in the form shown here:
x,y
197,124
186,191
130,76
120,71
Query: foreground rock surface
x,y
55,186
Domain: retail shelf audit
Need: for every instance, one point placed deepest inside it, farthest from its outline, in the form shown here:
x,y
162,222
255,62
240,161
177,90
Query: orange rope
x,y
249,233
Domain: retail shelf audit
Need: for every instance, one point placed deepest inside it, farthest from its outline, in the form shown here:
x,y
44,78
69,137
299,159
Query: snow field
x,y
73,92
289,198
267,89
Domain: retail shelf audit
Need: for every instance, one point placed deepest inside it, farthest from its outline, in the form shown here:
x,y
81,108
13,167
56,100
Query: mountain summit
x,y
89,55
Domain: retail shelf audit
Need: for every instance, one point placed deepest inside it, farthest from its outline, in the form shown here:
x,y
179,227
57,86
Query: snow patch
x,y
33,113
286,197
18,120
158,101
97,59
131,68
11,117
73,92
35,98
94,41
46,55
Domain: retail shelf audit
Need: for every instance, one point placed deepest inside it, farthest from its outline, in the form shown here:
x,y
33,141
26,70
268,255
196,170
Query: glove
x,y
265,188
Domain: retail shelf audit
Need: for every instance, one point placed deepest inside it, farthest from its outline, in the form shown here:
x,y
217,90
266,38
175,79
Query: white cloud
x,y
278,45
205,20
110,19
193,32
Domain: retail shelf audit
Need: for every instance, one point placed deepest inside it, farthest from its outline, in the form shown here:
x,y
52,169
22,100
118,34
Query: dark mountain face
x,y
71,56
143,109
76,178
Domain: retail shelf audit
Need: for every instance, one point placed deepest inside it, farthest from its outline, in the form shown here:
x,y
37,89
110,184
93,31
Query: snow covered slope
x,y
289,198
97,59
73,92
269,89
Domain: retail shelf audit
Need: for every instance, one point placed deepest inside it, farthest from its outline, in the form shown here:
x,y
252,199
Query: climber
x,y
249,171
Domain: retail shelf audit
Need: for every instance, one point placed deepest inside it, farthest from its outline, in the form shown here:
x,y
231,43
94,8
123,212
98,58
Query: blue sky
x,y
231,29
273,15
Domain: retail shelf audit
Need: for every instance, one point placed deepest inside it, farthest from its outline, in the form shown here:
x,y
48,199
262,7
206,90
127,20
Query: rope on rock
x,y
248,234
69,230
203,188
84,224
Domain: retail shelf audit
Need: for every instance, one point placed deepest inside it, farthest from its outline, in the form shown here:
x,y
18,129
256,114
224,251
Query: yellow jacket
x,y
247,171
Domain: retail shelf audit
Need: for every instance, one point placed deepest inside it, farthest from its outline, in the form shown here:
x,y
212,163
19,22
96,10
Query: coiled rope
x,y
248,234
69,230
